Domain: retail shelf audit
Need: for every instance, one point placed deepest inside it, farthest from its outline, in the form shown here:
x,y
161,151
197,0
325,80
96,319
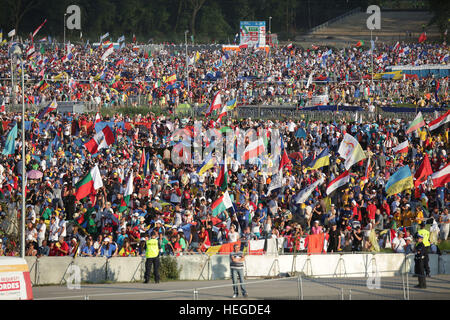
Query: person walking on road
x,y
237,270
419,260
152,258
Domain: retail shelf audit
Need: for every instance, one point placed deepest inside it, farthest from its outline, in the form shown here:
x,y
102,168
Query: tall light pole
x,y
270,39
17,52
65,33
187,63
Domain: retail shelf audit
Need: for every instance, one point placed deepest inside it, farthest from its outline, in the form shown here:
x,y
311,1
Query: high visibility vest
x,y
426,237
152,250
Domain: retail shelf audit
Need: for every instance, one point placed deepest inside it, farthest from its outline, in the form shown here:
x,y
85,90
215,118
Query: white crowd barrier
x,y
59,270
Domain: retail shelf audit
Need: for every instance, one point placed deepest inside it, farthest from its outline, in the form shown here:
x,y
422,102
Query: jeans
x,y
238,273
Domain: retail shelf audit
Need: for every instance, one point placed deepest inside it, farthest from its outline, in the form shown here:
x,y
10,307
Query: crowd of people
x,y
78,73
175,200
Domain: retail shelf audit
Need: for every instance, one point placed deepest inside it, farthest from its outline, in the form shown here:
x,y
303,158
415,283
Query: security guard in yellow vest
x,y
426,242
152,258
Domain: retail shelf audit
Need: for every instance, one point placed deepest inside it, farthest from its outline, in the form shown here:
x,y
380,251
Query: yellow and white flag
x,y
351,151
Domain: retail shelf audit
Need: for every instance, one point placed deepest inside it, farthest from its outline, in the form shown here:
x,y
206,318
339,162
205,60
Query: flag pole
x,y
22,246
65,33
187,64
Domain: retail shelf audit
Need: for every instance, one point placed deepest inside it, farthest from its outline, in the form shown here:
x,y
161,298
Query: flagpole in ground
x,y
65,33
187,66
17,52
22,249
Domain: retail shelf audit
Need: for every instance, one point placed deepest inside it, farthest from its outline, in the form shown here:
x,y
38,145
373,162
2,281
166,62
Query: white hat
x,y
107,239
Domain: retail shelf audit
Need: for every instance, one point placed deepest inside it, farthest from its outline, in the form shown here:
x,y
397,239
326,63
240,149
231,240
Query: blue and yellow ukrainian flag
x,y
231,104
322,160
206,165
401,180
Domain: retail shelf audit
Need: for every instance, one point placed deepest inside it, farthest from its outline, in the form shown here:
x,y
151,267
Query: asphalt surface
x,y
290,288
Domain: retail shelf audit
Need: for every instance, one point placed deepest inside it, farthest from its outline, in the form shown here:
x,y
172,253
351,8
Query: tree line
x,y
167,20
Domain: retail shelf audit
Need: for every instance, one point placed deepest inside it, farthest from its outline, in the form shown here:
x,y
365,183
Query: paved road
x,y
259,289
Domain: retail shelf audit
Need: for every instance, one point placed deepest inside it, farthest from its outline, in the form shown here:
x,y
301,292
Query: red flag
x,y
38,28
423,172
423,37
142,162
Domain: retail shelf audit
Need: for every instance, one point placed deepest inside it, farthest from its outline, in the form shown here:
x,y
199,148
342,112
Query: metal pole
x,y
13,96
371,55
23,163
270,39
187,64
64,33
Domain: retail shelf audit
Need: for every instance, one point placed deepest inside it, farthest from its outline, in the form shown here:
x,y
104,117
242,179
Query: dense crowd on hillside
x,y
78,73
176,199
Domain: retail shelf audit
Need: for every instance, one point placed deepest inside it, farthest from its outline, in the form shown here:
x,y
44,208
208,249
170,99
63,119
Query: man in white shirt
x,y
53,230
398,244
41,227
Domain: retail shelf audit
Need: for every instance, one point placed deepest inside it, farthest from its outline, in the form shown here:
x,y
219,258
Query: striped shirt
x,y
236,265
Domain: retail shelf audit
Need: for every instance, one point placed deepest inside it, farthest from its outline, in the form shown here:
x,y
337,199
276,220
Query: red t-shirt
x,y
65,247
371,209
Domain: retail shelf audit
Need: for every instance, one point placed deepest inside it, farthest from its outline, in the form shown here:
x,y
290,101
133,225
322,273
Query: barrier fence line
x,y
196,290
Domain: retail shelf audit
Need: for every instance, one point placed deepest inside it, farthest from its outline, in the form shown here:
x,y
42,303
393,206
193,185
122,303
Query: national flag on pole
x,y
49,108
303,195
104,36
216,103
276,182
38,28
222,179
171,79
90,183
351,151
322,160
289,46
97,118
254,149
142,161
220,205
10,144
441,177
397,46
436,123
360,43
310,78
2,107
284,161
401,180
147,165
126,196
423,37
157,84
206,165
423,172
102,139
401,148
340,181
107,52
417,123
